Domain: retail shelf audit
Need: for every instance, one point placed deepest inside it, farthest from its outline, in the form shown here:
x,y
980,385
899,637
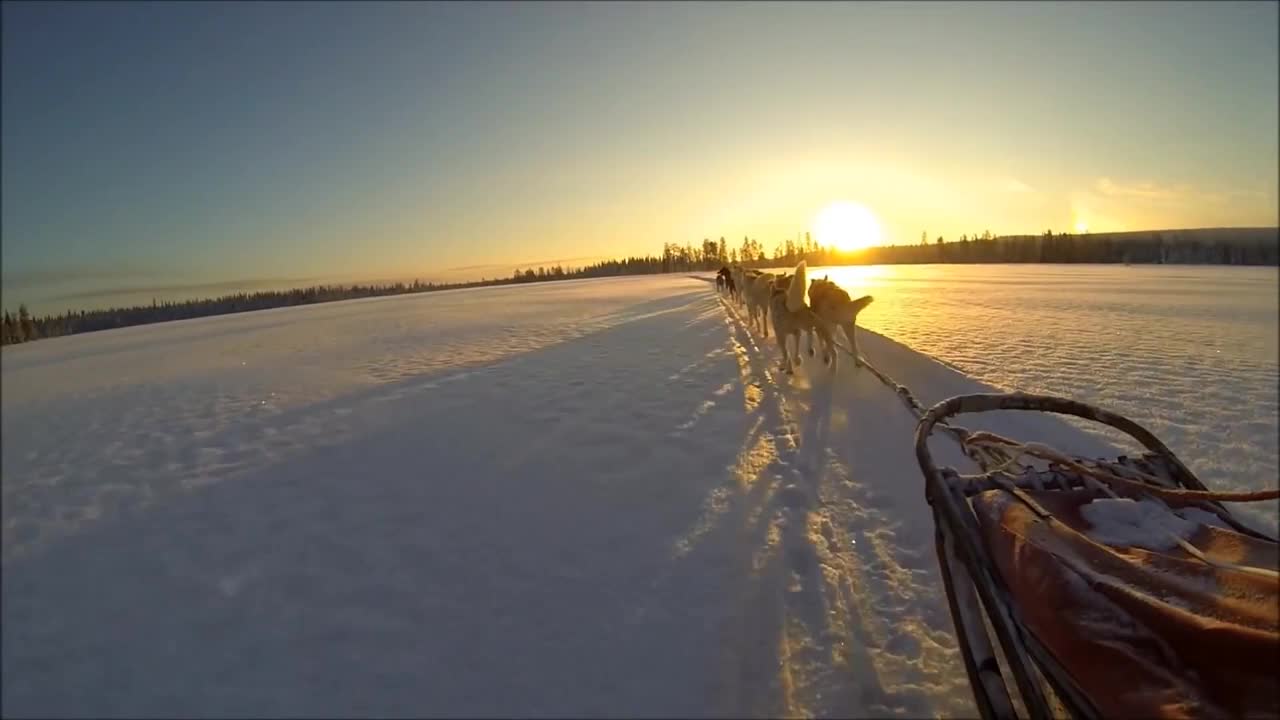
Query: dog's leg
x,y
810,335
850,332
829,347
781,337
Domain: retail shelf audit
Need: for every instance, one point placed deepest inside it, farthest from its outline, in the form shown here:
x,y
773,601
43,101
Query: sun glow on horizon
x,y
847,226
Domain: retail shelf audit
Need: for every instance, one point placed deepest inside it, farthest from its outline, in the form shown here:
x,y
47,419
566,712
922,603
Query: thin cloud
x,y
44,277
1186,195
1145,191
524,264
224,287
462,272
469,268
1014,185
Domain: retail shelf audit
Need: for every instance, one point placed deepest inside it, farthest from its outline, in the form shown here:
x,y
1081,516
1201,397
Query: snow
x,y
1123,522
1189,352
1203,517
583,498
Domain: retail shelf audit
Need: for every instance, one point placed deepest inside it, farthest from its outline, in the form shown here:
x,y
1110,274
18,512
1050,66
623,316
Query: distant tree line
x,y
24,327
1250,246
1230,246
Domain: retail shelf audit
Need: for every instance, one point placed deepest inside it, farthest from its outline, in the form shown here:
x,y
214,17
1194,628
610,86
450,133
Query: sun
x,y
1082,226
846,226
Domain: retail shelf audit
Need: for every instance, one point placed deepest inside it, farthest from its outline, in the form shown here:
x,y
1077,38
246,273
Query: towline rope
x,y
986,456
995,454
989,457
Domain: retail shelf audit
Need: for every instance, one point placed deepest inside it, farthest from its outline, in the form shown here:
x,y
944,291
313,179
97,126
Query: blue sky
x,y
179,147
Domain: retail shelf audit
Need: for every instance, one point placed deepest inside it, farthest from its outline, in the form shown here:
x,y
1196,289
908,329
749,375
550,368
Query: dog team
x,y
781,298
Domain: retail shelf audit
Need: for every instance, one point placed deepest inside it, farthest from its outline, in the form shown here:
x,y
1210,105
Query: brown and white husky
x,y
833,304
792,316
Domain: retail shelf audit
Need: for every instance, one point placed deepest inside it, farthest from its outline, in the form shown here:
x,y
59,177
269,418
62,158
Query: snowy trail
x,y
611,506
851,593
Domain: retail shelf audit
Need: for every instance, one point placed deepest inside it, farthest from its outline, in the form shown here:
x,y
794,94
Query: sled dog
x,y
833,305
725,283
792,317
759,288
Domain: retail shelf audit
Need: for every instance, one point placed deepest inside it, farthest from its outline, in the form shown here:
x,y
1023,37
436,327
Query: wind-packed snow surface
x,y
593,498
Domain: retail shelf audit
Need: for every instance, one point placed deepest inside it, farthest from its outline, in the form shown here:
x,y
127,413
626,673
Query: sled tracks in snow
x,y
842,612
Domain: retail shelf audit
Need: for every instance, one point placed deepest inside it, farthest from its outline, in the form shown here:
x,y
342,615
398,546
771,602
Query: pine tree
x,y
27,328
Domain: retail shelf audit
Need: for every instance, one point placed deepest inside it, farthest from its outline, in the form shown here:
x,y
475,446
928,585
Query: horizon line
x,y
287,284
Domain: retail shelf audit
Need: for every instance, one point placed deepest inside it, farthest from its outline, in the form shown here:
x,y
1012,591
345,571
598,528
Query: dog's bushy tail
x,y
795,291
859,305
850,324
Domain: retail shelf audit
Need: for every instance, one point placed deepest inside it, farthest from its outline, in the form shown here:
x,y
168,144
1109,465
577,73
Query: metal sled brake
x,y
1112,588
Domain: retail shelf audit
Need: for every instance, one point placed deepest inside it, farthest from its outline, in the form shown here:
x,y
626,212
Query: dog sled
x,y
1104,588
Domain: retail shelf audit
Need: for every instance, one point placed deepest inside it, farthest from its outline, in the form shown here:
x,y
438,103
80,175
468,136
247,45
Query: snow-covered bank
x,y
592,498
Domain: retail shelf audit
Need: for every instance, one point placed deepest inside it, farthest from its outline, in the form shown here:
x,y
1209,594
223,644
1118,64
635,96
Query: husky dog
x,y
791,317
724,281
740,283
758,290
834,306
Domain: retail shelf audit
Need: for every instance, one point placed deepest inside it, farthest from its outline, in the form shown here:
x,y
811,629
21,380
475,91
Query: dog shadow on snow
x,y
796,640
837,609
491,541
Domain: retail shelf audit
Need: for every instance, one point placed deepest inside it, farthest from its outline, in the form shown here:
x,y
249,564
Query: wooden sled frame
x,y
975,592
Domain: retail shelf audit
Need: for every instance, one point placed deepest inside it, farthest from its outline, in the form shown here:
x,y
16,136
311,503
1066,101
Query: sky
x,y
174,149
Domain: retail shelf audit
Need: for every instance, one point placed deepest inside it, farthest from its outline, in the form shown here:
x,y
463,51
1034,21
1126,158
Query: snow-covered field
x,y
586,498
1190,352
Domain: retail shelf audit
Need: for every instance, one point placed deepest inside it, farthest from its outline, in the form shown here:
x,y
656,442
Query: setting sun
x,y
846,226
1082,226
